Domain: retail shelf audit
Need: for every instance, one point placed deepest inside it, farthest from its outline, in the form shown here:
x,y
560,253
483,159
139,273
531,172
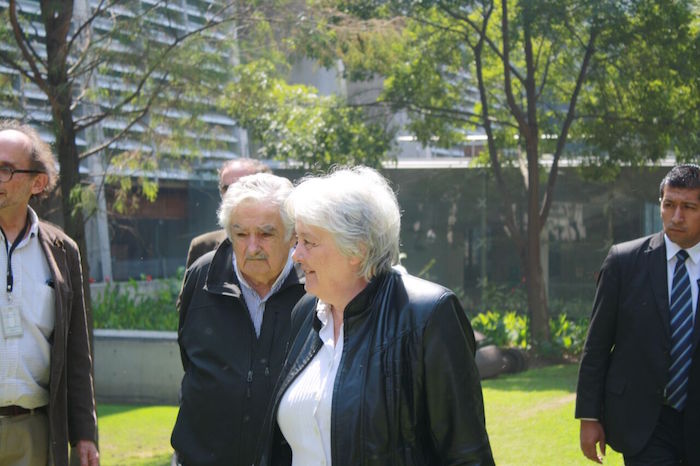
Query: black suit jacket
x,y
624,366
204,243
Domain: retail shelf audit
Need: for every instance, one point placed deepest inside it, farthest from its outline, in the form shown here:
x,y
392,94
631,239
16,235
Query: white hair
x,y
360,211
260,187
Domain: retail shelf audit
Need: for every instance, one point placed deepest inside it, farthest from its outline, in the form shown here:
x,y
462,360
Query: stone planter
x,y
137,366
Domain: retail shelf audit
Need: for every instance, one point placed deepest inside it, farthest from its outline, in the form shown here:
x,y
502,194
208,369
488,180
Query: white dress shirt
x,y
692,264
304,414
256,303
24,360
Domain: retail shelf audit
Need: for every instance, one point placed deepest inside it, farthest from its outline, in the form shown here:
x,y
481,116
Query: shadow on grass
x,y
556,377
105,410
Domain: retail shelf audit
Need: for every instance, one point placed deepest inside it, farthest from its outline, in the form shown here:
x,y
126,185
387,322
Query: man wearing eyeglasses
x,y
229,173
46,389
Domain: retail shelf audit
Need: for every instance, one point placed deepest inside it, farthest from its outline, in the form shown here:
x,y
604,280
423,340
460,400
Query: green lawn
x,y
529,417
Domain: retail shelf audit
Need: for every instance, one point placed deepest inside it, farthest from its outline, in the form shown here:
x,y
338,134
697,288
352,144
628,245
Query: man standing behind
x,y
235,310
229,173
46,389
639,380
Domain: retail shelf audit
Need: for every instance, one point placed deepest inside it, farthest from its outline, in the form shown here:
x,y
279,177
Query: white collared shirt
x,y
304,414
254,302
25,359
692,264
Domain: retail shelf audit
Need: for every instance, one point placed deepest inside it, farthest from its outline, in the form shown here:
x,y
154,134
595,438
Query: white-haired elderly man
x,y
235,310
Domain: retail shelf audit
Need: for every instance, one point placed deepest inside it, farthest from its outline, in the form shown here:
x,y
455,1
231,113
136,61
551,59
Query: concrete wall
x,y
136,366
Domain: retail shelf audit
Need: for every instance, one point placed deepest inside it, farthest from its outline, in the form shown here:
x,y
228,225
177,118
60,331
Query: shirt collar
x,y
672,249
33,222
275,286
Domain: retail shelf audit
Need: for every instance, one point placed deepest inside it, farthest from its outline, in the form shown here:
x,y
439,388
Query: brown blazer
x,y
71,408
204,243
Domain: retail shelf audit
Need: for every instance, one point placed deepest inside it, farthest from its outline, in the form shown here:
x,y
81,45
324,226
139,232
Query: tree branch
x,y
482,33
563,134
28,52
507,83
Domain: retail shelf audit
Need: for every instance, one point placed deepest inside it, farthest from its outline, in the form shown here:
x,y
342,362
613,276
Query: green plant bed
x,y
138,304
512,329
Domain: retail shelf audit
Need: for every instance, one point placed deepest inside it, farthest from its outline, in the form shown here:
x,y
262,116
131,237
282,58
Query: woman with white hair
x,y
381,368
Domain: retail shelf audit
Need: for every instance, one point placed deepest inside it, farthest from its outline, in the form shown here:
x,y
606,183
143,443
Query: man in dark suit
x,y
639,380
235,308
46,392
229,173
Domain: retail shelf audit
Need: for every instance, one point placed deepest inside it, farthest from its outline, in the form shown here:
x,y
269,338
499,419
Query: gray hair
x,y
40,154
359,209
261,187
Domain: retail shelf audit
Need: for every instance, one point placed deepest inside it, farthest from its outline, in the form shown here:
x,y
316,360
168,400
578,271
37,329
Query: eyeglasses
x,y
6,173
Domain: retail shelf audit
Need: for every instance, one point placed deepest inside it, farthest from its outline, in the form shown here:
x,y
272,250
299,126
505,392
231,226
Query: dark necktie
x,y
681,330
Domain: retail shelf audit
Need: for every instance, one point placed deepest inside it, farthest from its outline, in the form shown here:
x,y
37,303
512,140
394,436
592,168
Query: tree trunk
x,y
536,292
57,17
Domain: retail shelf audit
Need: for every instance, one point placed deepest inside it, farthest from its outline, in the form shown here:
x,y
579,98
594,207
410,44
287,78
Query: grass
x,y
135,435
529,417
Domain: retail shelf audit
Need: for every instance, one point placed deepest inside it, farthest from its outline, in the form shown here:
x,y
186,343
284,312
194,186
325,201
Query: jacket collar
x,y
363,302
656,253
221,278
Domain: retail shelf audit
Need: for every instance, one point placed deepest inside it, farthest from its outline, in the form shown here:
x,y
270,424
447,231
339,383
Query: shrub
x,y
136,305
568,335
512,330
509,329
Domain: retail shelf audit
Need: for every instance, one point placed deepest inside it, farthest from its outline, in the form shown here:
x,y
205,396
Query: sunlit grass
x,y
529,417
136,435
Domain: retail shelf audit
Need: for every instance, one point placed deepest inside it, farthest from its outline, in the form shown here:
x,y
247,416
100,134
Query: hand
x,y
592,433
87,452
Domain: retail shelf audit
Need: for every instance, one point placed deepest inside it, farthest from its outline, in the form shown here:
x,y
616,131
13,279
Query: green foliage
x,y
508,329
612,82
512,329
138,305
643,97
568,335
296,123
504,298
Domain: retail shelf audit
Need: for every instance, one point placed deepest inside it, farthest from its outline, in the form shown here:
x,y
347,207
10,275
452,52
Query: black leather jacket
x,y
229,372
407,391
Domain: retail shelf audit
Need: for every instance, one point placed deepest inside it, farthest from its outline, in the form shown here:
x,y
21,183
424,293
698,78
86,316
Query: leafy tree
x,y
614,79
132,84
294,123
151,66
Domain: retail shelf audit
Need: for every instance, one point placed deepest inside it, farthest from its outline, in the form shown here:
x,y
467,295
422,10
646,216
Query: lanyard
x,y
10,250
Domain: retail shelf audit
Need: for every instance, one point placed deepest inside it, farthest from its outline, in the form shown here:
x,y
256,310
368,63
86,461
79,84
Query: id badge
x,y
11,321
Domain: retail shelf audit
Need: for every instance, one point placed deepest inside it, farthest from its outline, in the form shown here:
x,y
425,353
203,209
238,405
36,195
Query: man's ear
x,y
39,183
